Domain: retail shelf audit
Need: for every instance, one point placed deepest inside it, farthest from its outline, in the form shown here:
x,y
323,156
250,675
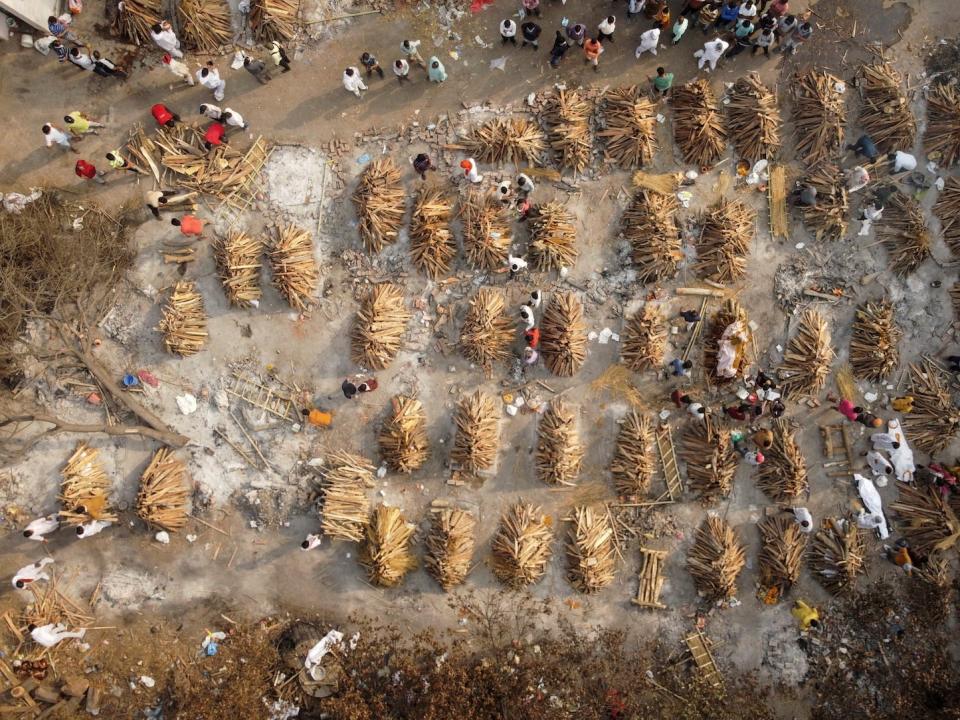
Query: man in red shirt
x,y
164,115
87,171
189,225
214,135
532,337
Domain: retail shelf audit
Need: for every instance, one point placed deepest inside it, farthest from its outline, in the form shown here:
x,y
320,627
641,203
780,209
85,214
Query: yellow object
x,y
80,124
507,398
804,614
903,404
320,418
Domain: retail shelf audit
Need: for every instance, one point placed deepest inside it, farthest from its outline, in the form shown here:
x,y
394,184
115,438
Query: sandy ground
x,y
252,560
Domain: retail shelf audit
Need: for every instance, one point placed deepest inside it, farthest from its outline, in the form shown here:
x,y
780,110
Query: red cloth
x,y
214,134
190,225
532,336
161,113
85,170
478,5
846,408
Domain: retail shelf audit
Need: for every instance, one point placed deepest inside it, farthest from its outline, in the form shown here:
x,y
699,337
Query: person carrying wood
x,y
163,35
178,68
257,68
189,225
352,82
154,199
807,616
118,162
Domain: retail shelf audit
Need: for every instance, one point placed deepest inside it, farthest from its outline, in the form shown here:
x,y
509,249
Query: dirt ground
x,y
245,555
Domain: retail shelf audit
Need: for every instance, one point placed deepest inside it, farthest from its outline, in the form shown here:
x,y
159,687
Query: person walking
x,y
437,73
371,65
411,51
606,29
190,225
648,43
258,69
233,119
156,199
163,35
163,115
592,50
804,519
531,34
401,68
79,124
118,162
508,32
470,170
36,529
311,542
51,634
54,136
711,52
31,573
279,56
352,82
422,165
559,49
87,171
209,77
178,68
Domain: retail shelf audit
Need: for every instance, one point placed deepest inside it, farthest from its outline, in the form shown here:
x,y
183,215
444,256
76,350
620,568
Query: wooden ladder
x,y
651,579
837,449
260,396
699,648
668,462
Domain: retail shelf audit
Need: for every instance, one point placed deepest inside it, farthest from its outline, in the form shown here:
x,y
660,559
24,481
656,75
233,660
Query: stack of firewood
x,y
432,245
783,476
238,263
955,300
781,552
885,114
697,124
724,243
828,218
162,499
294,267
274,19
386,552
629,127
875,343
730,313
85,488
819,115
450,545
477,440
838,555
590,550
926,520
559,450
947,210
346,508
184,321
205,25
808,357
135,18
634,462
521,546
403,437
486,230
378,330
941,140
506,140
650,226
563,338
935,419
904,232
487,329
644,339
716,559
710,458
380,203
754,119
567,115
553,239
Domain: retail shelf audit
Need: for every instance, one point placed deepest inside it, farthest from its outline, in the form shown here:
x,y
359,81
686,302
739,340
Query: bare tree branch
x,y
164,436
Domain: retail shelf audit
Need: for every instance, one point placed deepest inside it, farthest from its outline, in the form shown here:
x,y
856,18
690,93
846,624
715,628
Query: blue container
x,y
130,380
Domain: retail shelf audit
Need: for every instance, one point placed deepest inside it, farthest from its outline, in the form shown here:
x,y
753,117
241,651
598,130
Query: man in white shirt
x,y
804,519
352,82
92,528
45,525
524,185
411,48
902,162
401,68
606,29
31,573
209,77
178,68
163,35
234,119
508,32
49,635
53,136
214,112
711,52
648,42
81,59
311,542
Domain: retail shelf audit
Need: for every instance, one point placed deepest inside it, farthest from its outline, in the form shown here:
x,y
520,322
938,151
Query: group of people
x,y
409,55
